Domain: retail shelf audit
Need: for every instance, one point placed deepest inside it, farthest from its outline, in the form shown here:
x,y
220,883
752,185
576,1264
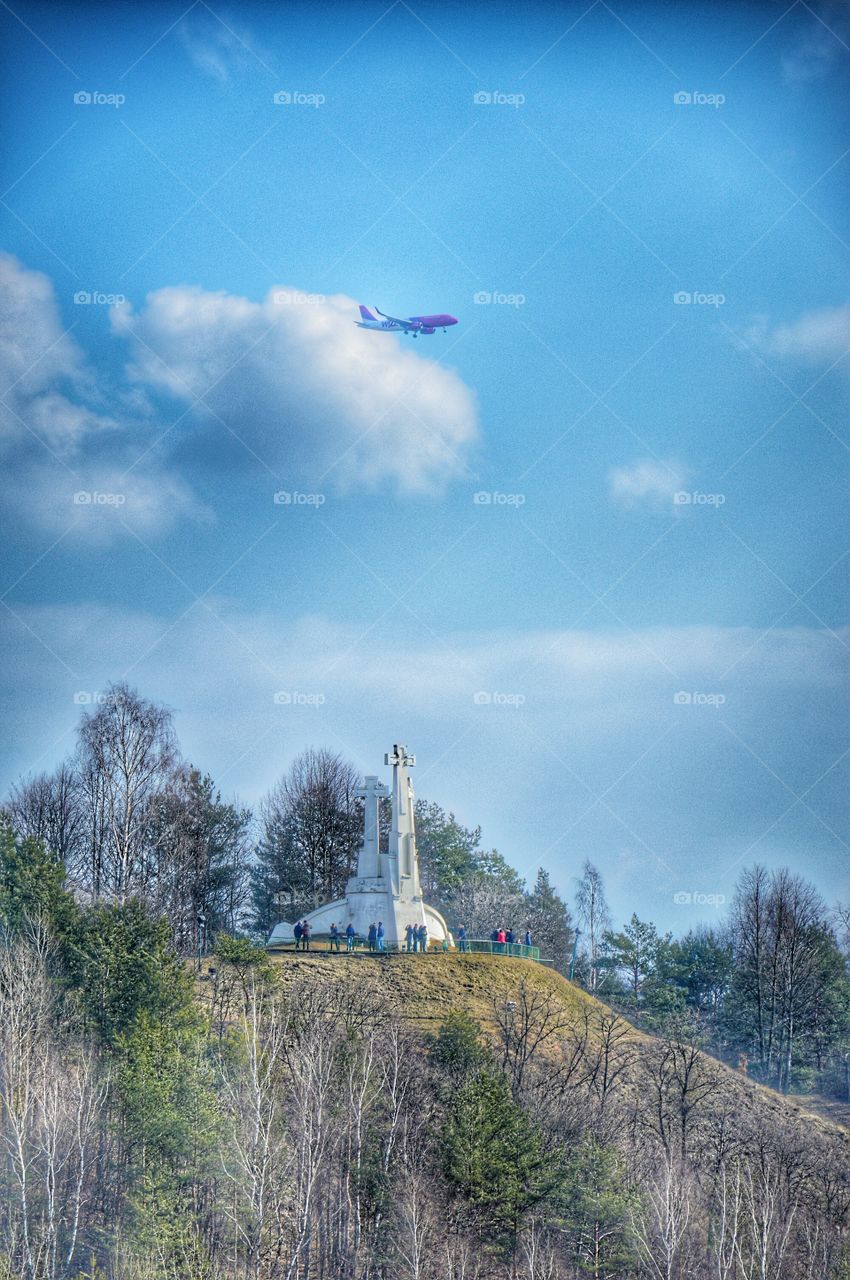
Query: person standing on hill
x,y
461,938
350,934
305,935
408,942
527,939
372,936
379,935
297,932
501,938
423,937
333,942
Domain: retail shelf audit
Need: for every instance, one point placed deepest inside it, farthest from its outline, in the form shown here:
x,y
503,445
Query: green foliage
x,y
594,1210
548,917
121,964
493,1155
635,953
458,1051
32,886
448,851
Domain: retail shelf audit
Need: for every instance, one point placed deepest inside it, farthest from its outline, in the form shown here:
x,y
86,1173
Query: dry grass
x,y
426,988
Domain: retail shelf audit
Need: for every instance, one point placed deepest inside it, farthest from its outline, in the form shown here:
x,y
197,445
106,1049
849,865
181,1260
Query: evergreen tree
x,y
493,1156
548,917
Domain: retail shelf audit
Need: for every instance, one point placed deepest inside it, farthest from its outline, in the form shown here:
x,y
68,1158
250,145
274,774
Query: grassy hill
x,y
424,989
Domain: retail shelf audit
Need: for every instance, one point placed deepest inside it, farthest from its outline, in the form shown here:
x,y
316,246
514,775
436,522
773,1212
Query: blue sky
x,y
485,556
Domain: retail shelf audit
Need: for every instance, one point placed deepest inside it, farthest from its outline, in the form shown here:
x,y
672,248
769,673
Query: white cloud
x,y
296,383
818,50
218,48
815,337
647,485
57,440
303,388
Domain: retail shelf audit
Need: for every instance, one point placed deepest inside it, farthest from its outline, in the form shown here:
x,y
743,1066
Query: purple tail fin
x,y
366,314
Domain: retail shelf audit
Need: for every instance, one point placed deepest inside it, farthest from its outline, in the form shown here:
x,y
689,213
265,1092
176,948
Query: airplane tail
x,y
366,314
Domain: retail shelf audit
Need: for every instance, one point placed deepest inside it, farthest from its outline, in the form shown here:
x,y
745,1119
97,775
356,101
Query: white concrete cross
x,y
372,792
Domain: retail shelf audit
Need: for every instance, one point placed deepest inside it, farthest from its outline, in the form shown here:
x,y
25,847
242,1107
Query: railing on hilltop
x,y
321,942
492,948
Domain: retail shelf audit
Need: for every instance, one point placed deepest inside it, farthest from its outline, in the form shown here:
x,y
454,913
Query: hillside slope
x,y
424,989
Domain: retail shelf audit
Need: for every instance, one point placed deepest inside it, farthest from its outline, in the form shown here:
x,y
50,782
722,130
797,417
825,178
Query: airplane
x,y
413,324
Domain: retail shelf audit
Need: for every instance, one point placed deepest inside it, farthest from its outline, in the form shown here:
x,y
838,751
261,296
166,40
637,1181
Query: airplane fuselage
x,y
412,324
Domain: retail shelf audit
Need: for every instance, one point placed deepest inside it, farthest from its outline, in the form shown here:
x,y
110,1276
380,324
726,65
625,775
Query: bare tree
x,y
126,756
594,919
49,808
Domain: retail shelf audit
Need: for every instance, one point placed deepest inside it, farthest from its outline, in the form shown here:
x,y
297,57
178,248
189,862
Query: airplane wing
x,y
403,324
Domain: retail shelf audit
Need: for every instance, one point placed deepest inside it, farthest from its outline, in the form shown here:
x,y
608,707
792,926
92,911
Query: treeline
x,y
130,820
767,989
153,1127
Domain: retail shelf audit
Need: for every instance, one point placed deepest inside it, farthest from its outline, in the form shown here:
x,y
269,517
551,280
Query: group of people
x,y
415,937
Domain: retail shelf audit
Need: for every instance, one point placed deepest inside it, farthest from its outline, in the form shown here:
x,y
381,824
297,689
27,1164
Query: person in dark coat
x,y
350,935
423,937
297,932
379,935
306,932
372,936
463,945
333,942
408,938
